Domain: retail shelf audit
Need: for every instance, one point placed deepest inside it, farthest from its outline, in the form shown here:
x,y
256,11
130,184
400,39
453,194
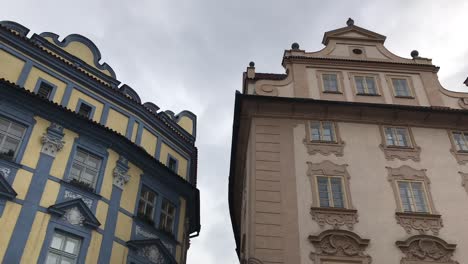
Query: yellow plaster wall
x,y
148,141
134,131
119,254
7,224
81,51
117,121
76,95
106,187
130,192
123,227
61,159
33,149
10,66
35,239
94,247
182,168
101,213
34,76
21,183
50,194
186,123
181,230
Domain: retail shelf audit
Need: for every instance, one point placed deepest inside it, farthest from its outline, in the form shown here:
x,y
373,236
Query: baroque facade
x,y
88,173
354,155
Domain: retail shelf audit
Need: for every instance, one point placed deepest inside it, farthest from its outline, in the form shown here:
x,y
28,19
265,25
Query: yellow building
x,y
88,174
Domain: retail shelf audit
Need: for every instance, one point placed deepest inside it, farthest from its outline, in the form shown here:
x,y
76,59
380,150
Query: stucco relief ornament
x,y
74,216
71,195
120,177
5,172
428,249
422,223
51,145
152,254
335,218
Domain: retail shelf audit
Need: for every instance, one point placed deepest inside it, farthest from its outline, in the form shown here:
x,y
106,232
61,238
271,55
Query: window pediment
x,y
152,250
6,191
426,249
75,212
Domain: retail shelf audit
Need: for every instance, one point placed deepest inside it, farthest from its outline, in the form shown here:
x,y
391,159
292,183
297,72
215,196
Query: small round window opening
x,y
357,51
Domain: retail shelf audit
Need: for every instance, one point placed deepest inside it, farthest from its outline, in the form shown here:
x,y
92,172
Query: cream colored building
x,y
355,155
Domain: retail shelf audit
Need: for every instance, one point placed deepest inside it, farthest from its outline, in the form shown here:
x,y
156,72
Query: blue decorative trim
x,y
105,114
87,42
22,30
67,95
169,157
80,102
24,73
127,90
111,221
6,191
131,123
158,148
39,83
56,224
151,107
139,133
60,209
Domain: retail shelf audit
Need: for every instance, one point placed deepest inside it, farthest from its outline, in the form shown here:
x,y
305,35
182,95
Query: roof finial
x,y
295,46
252,64
414,54
350,22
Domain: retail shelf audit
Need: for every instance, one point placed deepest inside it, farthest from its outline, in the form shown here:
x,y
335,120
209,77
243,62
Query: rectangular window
x,y
172,164
45,90
397,137
401,88
330,190
330,82
85,169
146,204
85,110
461,141
413,196
365,85
11,135
322,131
166,221
64,249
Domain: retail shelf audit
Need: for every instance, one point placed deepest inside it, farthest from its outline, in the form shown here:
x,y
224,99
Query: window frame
x,y
409,83
81,102
176,169
155,203
330,191
39,83
61,252
409,136
85,166
21,139
334,139
378,85
412,198
162,212
339,81
366,88
454,142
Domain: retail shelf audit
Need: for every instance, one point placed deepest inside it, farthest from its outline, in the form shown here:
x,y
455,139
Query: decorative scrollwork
x,y
334,217
422,223
428,249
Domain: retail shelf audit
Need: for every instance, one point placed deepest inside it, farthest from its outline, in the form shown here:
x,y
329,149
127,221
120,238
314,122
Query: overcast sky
x,y
191,55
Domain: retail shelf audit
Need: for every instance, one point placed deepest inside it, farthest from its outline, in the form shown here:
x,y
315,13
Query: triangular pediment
x,y
6,191
152,250
353,32
75,212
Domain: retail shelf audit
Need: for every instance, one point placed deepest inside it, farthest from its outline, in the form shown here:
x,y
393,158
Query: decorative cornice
x,y
392,153
427,249
421,222
324,148
335,217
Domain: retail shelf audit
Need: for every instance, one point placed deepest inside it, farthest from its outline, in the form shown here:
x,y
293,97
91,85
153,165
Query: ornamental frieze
x,y
422,223
426,249
334,217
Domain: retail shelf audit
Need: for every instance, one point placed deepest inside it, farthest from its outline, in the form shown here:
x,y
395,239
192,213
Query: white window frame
x,y
366,88
61,253
412,199
146,201
330,191
394,135
334,135
164,215
6,134
85,167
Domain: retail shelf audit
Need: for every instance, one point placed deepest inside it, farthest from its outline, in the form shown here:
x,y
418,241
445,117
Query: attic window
x,y
357,51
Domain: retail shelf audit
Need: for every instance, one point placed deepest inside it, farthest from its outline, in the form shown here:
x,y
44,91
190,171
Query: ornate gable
x,y
353,32
152,250
6,191
75,212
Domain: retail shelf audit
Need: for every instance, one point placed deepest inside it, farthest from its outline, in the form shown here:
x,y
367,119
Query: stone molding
x,y
334,217
5,172
52,140
73,216
422,223
402,153
427,249
120,173
328,168
460,156
325,148
339,245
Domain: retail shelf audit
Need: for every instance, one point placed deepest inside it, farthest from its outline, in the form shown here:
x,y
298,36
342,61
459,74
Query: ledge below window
x,y
460,155
402,153
324,147
420,222
335,217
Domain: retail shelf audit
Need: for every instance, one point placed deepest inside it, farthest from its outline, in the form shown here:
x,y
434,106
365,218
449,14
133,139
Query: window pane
x,y
141,207
57,241
371,85
89,175
66,260
328,134
389,136
401,87
323,191
93,161
359,80
337,192
419,197
76,171
71,246
16,130
10,144
402,135
315,130
4,124
80,156
330,82
460,141
52,258
405,196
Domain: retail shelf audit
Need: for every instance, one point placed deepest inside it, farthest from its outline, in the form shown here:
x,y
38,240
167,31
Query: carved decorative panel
x,y
426,249
339,245
419,222
334,217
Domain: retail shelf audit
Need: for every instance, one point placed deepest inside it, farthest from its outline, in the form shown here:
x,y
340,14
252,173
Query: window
x,y
330,82
330,191
397,137
172,164
401,88
365,85
85,169
413,196
63,249
461,141
322,131
166,221
85,110
45,90
11,134
146,204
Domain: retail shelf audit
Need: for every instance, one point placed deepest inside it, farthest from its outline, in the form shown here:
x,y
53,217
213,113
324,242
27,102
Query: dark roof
x,y
269,76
